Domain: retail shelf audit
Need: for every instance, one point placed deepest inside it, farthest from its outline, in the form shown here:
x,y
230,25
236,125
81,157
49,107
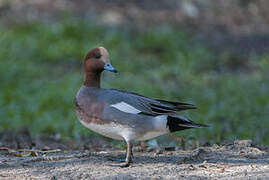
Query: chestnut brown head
x,y
98,60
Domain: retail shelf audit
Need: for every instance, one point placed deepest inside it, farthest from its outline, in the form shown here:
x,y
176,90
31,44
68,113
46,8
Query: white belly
x,y
108,130
150,135
121,132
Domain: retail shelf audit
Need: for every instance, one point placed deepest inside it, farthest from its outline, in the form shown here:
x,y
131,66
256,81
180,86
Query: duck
x,y
124,115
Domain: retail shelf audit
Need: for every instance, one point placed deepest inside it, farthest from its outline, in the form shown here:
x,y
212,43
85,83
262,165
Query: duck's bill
x,y
109,67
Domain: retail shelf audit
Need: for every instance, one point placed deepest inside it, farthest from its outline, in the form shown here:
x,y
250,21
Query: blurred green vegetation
x,y
41,71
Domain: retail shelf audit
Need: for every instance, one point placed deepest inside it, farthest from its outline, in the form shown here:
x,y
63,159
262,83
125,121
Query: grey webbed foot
x,y
126,162
117,159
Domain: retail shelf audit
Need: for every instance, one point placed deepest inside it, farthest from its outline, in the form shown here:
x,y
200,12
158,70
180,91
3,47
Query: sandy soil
x,y
239,160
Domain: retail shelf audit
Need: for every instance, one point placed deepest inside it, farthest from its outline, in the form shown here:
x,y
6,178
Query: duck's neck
x,y
92,79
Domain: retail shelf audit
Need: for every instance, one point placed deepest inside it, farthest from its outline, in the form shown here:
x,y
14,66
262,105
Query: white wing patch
x,y
124,107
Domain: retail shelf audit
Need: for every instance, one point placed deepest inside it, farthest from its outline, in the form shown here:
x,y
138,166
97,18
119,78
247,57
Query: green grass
x,y
41,70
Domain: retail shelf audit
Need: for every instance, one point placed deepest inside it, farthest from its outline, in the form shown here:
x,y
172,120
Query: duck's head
x,y
98,60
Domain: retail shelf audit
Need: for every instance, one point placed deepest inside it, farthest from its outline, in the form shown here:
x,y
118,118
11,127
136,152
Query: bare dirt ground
x,y
238,160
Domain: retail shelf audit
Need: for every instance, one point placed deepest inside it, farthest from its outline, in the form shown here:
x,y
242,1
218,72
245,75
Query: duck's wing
x,y
137,104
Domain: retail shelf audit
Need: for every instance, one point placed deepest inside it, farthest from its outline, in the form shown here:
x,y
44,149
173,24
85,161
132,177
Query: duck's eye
x,y
97,55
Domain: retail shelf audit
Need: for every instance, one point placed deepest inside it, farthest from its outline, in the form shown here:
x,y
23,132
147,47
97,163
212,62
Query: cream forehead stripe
x,y
104,53
124,107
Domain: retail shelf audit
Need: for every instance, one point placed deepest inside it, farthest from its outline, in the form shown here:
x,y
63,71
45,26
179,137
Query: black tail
x,y
178,123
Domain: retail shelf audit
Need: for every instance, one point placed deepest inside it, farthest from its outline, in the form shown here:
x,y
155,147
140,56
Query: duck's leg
x,y
128,159
129,153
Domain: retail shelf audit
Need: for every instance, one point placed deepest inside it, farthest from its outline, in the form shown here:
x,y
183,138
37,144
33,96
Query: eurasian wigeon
x,y
124,115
